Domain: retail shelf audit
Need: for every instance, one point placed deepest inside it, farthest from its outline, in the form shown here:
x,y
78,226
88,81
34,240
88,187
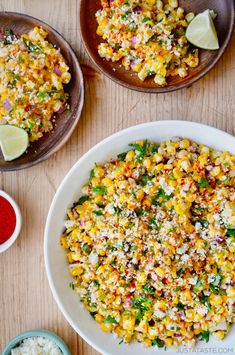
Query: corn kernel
x,y
160,271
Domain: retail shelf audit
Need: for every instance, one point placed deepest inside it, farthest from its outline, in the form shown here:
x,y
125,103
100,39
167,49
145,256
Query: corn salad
x,y
32,74
148,37
151,244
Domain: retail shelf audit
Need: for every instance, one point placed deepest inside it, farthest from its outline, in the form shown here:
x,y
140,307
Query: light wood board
x,y
26,301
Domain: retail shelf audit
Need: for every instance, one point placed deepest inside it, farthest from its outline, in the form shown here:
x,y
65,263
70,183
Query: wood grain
x,y
26,301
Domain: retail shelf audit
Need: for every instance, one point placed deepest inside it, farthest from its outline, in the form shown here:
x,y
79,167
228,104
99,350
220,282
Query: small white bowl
x,y
8,243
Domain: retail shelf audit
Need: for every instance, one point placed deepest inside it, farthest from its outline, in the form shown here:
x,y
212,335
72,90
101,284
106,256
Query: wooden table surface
x,y
26,301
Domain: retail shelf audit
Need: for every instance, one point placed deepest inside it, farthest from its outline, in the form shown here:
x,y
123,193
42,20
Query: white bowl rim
x,y
8,243
191,124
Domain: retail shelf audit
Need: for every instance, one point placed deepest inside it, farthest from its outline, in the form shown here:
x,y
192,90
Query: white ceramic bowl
x,y
12,239
69,191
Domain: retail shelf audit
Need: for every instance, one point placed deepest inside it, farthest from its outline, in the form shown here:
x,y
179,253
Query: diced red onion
x,y
132,64
181,315
81,222
138,9
133,40
6,104
127,303
177,335
61,109
220,240
57,71
74,263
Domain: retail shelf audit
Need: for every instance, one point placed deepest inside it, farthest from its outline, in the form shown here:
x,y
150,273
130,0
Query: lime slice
x,y
13,141
201,31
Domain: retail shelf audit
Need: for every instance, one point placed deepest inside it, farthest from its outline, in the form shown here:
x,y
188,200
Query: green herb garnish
x,y
203,183
110,320
146,19
158,342
204,335
122,156
86,248
149,289
98,212
82,200
141,150
99,190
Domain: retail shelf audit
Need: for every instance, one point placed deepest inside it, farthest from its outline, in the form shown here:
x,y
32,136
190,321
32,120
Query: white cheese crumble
x,y
37,346
68,223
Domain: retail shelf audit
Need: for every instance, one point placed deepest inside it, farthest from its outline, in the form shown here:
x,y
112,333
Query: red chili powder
x,y
7,220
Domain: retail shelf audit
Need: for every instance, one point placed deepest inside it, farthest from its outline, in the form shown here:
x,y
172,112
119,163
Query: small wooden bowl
x,y
224,23
65,122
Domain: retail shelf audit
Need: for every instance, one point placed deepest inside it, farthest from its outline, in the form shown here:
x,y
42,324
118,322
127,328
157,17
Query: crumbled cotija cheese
x,y
37,346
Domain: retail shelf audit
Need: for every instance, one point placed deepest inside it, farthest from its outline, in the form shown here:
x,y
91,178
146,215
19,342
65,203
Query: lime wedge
x,y
201,31
13,141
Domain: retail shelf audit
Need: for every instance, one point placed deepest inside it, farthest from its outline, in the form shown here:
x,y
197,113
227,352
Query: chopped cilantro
x,y
160,194
139,212
98,212
122,156
86,248
9,32
198,287
180,306
96,283
154,149
141,150
8,37
226,181
31,46
152,38
20,59
42,95
140,303
180,272
204,335
82,200
146,19
203,183
152,222
125,16
203,299
197,210
158,342
230,231
71,285
93,314
171,176
110,320
99,190
91,175
177,288
216,279
149,289
143,179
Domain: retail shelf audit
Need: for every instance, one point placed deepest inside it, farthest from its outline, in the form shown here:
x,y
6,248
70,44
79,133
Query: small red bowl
x,y
8,243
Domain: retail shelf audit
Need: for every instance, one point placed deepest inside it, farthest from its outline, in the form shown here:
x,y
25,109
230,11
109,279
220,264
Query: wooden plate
x,y
66,121
224,24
